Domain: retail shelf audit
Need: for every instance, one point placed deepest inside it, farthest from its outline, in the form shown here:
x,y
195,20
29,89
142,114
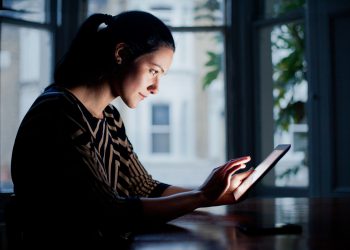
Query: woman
x,y
74,170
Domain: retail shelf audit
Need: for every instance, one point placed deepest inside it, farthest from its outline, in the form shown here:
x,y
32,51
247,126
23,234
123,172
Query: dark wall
x,y
329,83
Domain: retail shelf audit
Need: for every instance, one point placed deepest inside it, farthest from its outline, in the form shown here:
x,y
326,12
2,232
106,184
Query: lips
x,y
142,95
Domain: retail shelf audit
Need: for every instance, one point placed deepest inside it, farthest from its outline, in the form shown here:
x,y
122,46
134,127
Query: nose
x,y
154,88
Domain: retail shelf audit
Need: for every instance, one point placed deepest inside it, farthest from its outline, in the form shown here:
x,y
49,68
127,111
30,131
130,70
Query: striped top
x,y
85,169
123,170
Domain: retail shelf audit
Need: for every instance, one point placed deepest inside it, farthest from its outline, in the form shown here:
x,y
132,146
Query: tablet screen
x,y
261,169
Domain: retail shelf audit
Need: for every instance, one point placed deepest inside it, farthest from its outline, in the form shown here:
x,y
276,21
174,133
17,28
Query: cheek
x,y
131,84
136,80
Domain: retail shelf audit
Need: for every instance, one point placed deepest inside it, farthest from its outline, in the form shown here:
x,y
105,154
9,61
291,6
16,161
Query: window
x,y
283,89
33,10
25,69
160,114
160,128
179,134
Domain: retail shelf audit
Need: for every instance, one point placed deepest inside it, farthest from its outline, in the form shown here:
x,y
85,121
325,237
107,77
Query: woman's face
x,y
143,77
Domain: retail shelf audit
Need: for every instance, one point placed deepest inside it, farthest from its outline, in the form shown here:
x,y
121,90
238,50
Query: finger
x,y
243,159
229,173
234,169
243,175
240,160
239,177
236,162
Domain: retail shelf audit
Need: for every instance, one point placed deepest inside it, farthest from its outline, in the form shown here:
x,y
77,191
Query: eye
x,y
153,72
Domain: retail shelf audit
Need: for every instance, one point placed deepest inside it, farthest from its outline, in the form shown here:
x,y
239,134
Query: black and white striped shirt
x,y
78,172
123,170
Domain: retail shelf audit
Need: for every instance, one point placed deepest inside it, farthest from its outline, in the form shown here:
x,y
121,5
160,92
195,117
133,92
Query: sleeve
x,y
143,183
158,190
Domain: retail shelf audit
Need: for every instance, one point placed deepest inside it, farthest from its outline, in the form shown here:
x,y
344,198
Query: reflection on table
x,y
324,223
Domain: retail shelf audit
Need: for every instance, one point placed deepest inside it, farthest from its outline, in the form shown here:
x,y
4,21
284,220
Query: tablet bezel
x,y
261,170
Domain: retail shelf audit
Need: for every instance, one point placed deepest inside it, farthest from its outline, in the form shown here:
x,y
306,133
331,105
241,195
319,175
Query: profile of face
x,y
142,79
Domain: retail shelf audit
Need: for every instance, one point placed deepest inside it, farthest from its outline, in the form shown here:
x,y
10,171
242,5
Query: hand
x,y
236,180
218,187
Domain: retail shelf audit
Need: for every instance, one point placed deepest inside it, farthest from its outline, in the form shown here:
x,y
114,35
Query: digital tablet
x,y
261,170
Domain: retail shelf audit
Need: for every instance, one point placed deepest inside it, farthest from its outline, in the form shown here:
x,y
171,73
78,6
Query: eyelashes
x,y
153,72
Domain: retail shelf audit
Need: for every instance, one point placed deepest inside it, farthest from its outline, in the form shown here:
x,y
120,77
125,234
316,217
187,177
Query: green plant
x,y
214,67
209,10
289,72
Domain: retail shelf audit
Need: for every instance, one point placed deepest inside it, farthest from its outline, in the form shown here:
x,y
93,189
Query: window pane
x,y
173,13
25,67
160,143
160,114
286,80
275,8
33,10
196,113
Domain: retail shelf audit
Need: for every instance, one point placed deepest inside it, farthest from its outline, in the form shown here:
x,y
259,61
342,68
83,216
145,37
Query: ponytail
x,y
74,67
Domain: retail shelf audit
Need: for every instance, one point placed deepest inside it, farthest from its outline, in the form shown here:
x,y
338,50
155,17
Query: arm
x,y
151,188
164,209
174,190
176,201
225,199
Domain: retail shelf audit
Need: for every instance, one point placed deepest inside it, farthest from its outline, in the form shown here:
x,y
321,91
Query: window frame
x,y
295,16
243,88
48,25
240,84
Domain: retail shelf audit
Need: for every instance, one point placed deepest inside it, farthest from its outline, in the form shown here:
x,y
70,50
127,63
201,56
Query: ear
x,y
120,52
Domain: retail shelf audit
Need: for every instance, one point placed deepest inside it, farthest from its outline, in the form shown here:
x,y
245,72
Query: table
x,y
324,221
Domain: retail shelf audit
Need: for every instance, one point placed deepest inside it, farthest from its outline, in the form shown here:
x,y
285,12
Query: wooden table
x,y
324,221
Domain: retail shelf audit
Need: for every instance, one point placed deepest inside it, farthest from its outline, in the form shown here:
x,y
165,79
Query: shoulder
x,y
54,98
51,107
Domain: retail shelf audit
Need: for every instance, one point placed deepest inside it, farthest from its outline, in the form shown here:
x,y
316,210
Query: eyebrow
x,y
159,67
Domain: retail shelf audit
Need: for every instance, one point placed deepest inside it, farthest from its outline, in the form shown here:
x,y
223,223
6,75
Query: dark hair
x,y
91,56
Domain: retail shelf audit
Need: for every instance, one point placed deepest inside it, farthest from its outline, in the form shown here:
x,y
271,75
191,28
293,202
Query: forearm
x,y
174,190
164,209
216,190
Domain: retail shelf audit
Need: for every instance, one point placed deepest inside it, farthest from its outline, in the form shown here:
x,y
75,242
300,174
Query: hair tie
x,y
108,19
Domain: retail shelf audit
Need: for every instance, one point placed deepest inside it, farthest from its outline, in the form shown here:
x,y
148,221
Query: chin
x,y
131,105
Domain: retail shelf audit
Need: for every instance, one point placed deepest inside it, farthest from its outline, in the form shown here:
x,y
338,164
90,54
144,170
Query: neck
x,y
95,99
